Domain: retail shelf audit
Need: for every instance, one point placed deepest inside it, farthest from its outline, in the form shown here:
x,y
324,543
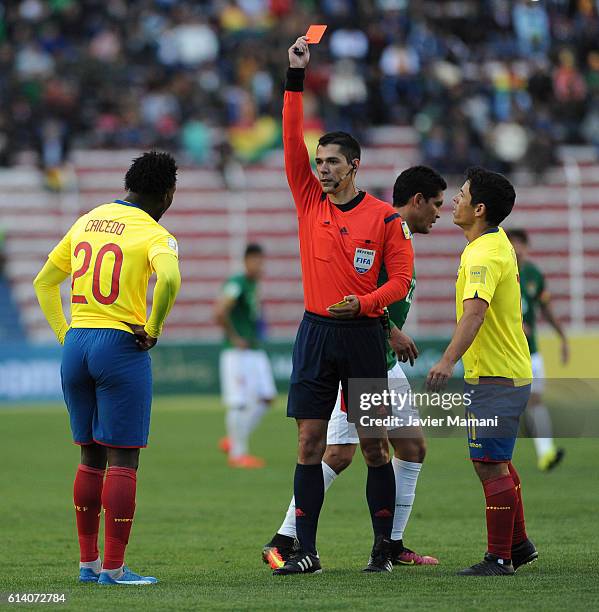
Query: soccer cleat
x,y
300,563
87,574
248,462
128,578
224,444
551,459
272,556
278,550
523,554
380,557
489,566
400,555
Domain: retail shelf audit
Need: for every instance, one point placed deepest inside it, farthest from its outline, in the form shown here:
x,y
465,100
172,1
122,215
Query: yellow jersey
x,y
108,252
489,270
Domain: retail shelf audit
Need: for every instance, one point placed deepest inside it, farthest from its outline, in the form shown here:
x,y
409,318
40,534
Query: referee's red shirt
x,y
342,252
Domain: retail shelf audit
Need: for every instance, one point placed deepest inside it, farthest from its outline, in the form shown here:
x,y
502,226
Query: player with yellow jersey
x,y
490,340
110,254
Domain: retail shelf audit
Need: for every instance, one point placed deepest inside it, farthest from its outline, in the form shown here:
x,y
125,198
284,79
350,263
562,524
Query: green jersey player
x,y
246,378
418,197
241,326
535,299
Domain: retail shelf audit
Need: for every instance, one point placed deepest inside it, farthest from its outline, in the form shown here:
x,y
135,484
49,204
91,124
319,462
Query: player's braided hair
x,y
417,179
152,174
494,191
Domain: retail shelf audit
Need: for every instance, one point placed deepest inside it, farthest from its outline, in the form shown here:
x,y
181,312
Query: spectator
x,y
132,74
531,25
540,154
349,43
570,92
6,141
196,140
189,43
347,90
568,83
592,73
400,67
435,148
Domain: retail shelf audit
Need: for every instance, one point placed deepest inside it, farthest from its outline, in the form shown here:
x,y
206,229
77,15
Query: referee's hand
x,y
299,53
349,310
142,339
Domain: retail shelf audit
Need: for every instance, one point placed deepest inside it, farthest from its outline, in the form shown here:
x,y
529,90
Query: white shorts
x,y
245,376
341,431
538,374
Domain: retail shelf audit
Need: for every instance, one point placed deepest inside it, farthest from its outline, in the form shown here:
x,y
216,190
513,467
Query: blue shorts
x,y
107,387
329,351
495,442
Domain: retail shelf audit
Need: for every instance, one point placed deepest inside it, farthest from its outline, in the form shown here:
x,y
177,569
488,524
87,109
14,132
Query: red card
x,y
315,33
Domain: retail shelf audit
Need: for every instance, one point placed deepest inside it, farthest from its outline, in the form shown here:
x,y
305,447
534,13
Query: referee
x,y
345,236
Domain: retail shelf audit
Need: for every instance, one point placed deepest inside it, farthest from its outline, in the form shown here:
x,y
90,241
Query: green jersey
x,y
532,286
398,312
245,314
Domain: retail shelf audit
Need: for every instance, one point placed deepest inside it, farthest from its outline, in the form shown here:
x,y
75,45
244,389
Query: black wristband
x,y
295,79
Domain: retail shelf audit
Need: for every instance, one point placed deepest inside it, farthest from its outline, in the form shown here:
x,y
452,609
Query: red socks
x,y
117,495
118,499
502,502
519,525
87,497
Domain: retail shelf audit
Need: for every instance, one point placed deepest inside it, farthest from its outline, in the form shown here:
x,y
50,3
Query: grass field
x,y
200,526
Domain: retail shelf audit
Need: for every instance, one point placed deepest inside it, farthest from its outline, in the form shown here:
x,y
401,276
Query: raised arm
x,y
302,182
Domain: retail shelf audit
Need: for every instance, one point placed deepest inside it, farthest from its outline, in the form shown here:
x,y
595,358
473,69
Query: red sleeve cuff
x,y
365,304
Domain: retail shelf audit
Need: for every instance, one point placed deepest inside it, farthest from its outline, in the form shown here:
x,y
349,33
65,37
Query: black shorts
x,y
328,351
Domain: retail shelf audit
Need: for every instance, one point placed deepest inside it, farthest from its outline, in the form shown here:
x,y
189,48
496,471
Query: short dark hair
x,y
494,191
417,179
518,233
349,146
253,249
152,174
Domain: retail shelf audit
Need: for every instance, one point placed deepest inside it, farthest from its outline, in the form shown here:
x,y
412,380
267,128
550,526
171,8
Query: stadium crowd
x,y
484,81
